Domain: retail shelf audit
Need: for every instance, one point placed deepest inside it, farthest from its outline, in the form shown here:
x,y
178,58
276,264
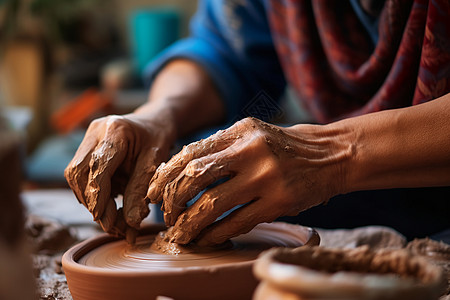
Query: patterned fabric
x,y
327,55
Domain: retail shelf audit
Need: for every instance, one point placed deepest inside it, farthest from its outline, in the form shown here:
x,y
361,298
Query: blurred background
x,y
64,63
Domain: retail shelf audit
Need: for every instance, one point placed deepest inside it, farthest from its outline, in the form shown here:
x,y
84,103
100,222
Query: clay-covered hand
x,y
118,155
272,172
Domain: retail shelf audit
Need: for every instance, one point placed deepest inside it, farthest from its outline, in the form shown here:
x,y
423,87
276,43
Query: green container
x,y
152,30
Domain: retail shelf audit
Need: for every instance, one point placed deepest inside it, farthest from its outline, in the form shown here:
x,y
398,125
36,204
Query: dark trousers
x,y
416,213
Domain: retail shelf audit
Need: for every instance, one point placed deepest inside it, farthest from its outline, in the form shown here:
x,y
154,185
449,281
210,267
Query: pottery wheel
x,y
121,256
113,269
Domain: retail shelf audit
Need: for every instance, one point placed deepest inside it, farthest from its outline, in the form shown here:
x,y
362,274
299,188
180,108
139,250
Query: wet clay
x,y
164,244
360,273
109,268
146,254
437,252
48,236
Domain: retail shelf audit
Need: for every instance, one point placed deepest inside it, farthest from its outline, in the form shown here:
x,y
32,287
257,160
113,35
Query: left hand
x,y
272,172
118,155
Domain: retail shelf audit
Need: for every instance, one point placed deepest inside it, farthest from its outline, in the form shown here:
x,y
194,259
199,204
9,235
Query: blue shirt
x,y
233,43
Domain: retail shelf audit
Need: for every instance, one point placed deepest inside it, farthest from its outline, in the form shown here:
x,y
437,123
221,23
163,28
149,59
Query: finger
x,y
77,174
210,206
239,222
134,205
108,219
77,171
169,171
130,235
118,228
198,174
104,161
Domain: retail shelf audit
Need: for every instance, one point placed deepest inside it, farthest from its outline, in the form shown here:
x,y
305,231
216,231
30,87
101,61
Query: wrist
x,y
344,141
400,148
332,150
186,96
152,115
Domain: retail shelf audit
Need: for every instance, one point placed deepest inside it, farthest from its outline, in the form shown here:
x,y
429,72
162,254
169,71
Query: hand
x,y
272,172
118,155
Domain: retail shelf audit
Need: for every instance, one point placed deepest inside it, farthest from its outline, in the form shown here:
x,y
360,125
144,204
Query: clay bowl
x,y
351,274
105,267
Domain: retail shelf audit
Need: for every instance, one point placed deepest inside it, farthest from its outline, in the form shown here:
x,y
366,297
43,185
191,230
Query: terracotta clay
x,y
437,252
351,274
48,236
163,243
108,268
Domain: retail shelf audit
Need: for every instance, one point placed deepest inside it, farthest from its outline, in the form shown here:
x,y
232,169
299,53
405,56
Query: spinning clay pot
x,y
108,268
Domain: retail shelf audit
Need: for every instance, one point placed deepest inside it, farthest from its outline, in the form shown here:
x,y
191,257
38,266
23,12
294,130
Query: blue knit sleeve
x,y
231,40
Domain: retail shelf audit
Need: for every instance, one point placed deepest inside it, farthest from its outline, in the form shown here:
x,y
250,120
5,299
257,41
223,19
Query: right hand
x,y
118,155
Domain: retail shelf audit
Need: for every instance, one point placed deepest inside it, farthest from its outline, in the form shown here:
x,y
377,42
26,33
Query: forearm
x,y
408,147
183,96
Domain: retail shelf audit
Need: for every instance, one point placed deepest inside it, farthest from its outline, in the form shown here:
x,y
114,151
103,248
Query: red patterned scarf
x,y
330,61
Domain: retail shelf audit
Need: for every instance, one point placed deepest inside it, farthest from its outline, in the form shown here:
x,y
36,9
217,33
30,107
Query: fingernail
x,y
131,235
134,216
151,193
180,237
168,218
